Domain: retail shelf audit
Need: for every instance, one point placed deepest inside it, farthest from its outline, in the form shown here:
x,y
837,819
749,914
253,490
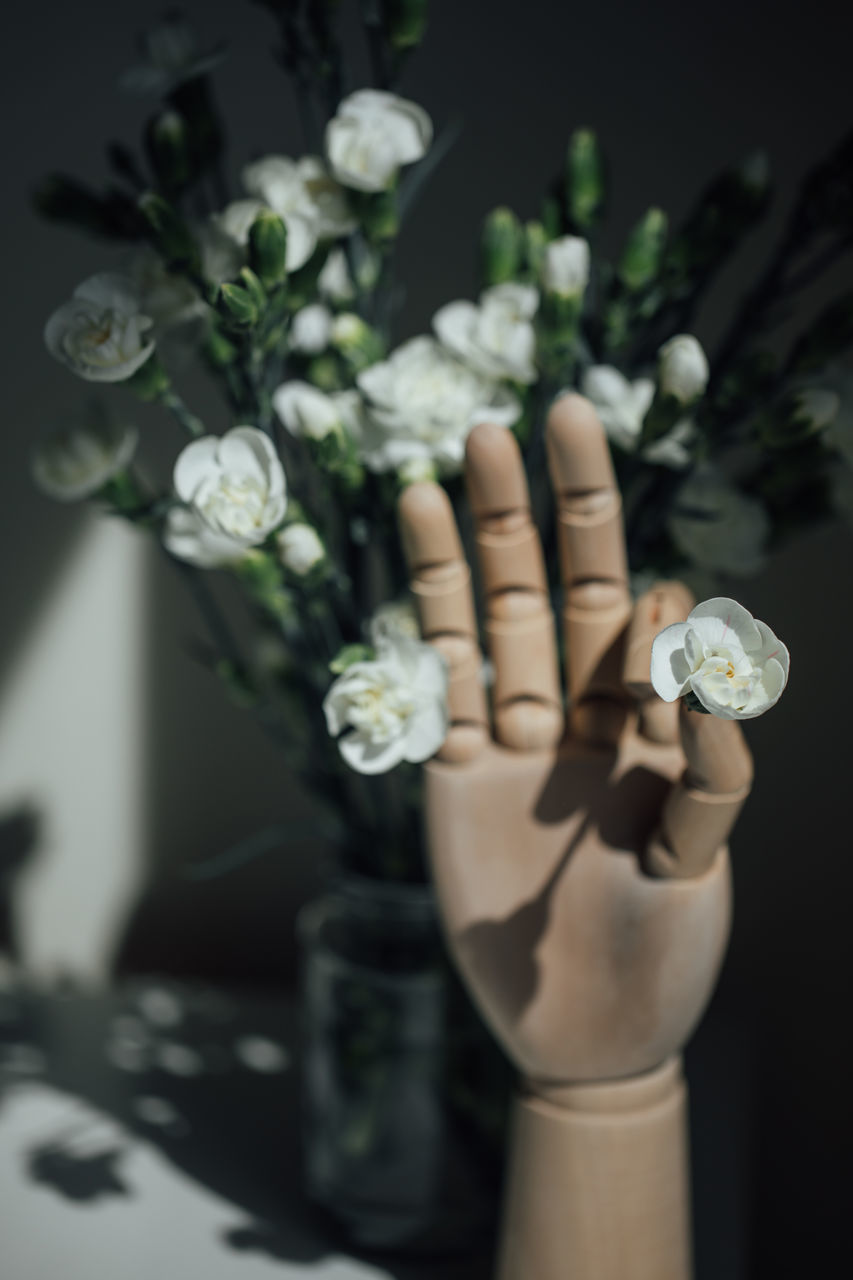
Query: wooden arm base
x,y
598,1185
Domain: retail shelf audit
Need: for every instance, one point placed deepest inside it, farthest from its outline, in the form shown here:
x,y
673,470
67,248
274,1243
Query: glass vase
x,y
392,1058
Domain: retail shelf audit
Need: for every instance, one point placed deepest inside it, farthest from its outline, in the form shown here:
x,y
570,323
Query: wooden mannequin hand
x,y
580,869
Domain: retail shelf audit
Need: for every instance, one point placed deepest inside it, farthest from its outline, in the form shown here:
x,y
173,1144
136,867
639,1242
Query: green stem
x,y
192,425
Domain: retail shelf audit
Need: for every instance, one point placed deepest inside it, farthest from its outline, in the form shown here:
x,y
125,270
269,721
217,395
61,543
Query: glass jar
x,y
389,1153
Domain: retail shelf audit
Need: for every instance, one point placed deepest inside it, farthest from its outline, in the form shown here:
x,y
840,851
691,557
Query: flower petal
x,y
670,671
720,619
370,757
194,465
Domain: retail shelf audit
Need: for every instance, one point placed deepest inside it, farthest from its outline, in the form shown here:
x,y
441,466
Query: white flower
x,y
496,338
169,300
622,406
683,369
422,404
189,537
307,411
732,662
391,709
311,329
372,135
235,487
303,188
565,266
394,620
100,333
417,471
716,526
235,222
76,462
299,548
334,281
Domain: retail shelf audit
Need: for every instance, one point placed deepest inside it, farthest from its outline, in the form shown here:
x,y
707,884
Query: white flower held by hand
x,y
235,489
391,709
731,662
99,334
77,463
372,135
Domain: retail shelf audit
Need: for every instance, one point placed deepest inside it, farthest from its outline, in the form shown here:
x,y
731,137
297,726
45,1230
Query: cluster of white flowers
x,y
732,663
235,495
392,707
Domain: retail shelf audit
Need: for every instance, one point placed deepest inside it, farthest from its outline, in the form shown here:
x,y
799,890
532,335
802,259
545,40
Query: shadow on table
x,y
208,1078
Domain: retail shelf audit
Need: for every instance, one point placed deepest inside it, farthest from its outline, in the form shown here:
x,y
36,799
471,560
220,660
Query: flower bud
x,y
169,234
565,267
167,147
311,329
683,369
254,288
535,244
358,343
218,350
501,247
405,22
300,548
268,248
643,253
798,416
584,179
236,306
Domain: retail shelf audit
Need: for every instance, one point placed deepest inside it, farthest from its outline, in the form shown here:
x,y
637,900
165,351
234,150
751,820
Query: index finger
x,y
597,602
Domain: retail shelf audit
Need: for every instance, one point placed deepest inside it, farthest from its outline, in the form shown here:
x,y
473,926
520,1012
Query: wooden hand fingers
x,y
441,584
702,807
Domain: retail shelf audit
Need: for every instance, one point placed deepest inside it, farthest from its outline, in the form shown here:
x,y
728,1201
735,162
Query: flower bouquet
x,y
282,285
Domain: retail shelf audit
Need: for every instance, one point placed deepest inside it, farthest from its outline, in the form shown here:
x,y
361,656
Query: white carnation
x,y
391,709
421,403
393,620
77,462
372,135
100,333
303,188
496,338
731,662
334,281
307,411
235,489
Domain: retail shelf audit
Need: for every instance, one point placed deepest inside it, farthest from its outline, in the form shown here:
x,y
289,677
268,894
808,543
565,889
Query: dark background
x,y
675,93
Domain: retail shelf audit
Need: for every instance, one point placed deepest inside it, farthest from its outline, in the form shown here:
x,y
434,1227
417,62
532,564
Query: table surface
x,y
152,1130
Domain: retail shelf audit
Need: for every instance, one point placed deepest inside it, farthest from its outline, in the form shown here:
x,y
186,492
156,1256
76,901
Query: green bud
x,y
268,248
169,234
236,306
350,654
643,253
254,288
829,337
218,350
584,179
323,372
167,147
798,416
405,22
535,241
552,218
150,380
501,247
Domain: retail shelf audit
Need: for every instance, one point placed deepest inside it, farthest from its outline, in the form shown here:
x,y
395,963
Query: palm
x,y
580,870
